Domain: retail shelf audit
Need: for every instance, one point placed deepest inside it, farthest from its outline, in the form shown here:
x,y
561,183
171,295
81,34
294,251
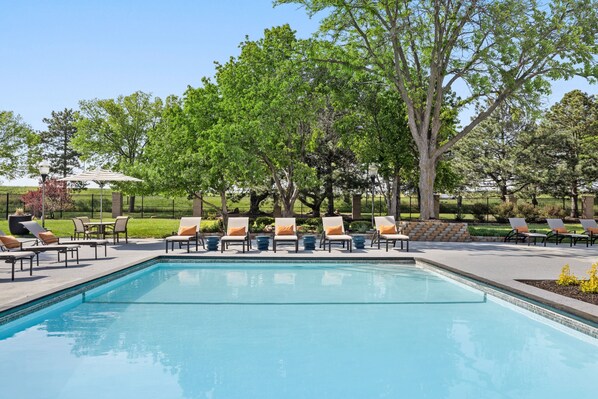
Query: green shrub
x,y
528,212
264,220
479,211
502,212
360,226
554,211
566,278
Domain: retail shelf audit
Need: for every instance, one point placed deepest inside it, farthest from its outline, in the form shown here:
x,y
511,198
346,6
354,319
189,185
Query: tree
x,y
57,197
269,100
565,147
15,138
56,142
496,48
114,133
497,150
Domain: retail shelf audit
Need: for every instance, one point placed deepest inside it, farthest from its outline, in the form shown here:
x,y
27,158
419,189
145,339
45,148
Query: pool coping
x,y
563,314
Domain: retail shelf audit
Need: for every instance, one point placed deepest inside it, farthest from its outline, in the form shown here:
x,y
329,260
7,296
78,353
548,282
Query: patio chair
x,y
590,228
285,231
521,232
334,231
386,229
560,232
237,231
189,231
119,227
12,258
81,230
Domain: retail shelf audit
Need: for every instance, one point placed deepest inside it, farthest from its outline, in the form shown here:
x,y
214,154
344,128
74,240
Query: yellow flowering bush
x,y
566,278
591,285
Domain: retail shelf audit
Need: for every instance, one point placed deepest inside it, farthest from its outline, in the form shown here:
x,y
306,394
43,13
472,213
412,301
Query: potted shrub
x,y
14,222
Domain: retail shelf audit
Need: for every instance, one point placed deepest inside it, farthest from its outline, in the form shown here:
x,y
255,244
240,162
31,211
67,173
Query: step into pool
x,y
224,329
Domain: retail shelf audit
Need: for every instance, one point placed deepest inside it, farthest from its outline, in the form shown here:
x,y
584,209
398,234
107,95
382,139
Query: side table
x,y
309,242
263,242
212,243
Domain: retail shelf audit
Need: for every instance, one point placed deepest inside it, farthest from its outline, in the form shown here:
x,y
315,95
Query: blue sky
x,y
55,53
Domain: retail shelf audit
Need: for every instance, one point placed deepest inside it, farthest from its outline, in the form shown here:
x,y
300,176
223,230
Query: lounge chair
x,y
285,230
386,229
50,242
560,232
521,232
590,228
37,249
334,231
119,227
237,231
13,257
189,231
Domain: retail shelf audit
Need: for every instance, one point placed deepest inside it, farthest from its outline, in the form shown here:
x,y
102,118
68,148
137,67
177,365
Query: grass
x,y
138,228
501,230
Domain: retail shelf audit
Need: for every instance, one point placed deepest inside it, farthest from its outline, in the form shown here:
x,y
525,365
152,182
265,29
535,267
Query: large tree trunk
x,y
504,193
224,208
329,196
427,175
255,200
574,202
131,203
315,206
395,197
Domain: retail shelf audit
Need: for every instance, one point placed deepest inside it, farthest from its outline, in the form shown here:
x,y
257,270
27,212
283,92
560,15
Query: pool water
x,y
267,330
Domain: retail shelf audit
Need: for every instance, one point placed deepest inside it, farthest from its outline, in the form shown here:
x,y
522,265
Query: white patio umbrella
x,y
101,177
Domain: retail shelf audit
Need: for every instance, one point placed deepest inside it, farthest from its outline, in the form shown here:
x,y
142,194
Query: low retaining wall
x,y
434,230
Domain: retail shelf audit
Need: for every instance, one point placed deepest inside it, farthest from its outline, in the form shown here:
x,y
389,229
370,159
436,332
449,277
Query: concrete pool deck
x,y
498,263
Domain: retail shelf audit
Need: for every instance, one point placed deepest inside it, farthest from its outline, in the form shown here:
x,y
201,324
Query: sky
x,y
55,53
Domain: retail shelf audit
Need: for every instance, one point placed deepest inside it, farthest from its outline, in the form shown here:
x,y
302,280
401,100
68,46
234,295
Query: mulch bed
x,y
570,291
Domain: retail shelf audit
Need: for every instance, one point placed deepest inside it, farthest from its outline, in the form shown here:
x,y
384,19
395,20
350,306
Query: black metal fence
x,y
472,208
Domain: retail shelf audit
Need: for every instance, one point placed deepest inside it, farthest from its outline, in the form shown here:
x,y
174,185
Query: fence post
x,y
142,207
410,208
173,209
7,199
92,206
487,208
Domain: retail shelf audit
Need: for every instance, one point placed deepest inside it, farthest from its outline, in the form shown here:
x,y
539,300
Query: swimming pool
x,y
291,330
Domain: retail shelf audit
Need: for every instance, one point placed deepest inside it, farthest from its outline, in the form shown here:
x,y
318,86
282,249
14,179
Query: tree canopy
x,y
424,49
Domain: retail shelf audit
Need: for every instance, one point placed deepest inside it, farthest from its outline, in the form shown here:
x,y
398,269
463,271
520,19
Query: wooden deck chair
x,y
189,232
333,230
386,229
237,231
285,230
590,228
521,232
560,232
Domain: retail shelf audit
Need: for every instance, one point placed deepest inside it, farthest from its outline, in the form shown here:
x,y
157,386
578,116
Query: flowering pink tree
x,y
57,198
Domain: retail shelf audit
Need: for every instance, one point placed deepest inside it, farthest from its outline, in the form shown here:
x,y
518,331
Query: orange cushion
x,y
285,230
522,229
389,229
334,230
48,237
10,242
593,230
562,230
187,230
236,231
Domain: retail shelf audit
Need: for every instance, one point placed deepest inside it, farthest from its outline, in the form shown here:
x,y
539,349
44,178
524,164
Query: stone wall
x,y
434,230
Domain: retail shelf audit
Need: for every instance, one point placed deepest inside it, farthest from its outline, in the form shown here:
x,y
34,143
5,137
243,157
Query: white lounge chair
x,y
590,228
560,232
520,231
237,231
285,230
334,231
189,232
386,229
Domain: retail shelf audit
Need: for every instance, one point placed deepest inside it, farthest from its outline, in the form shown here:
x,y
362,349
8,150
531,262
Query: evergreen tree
x,y
56,142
